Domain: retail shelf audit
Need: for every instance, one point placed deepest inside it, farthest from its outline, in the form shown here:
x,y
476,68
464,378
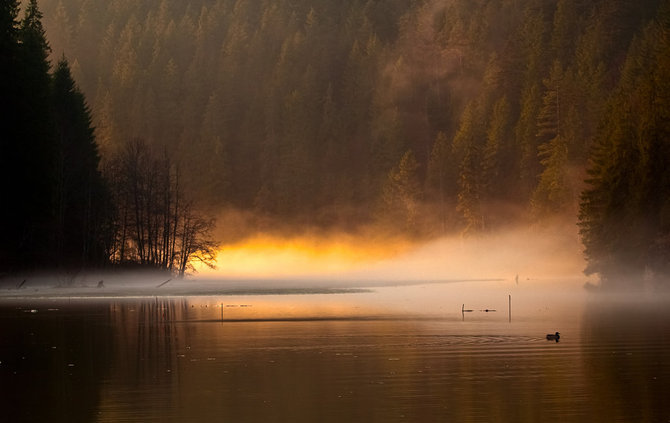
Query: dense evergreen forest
x,y
49,159
59,211
425,116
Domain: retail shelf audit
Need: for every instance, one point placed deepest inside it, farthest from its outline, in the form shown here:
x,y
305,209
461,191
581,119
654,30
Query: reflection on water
x,y
52,361
328,358
626,359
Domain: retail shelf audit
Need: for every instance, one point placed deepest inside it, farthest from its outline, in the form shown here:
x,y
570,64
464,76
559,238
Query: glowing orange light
x,y
267,256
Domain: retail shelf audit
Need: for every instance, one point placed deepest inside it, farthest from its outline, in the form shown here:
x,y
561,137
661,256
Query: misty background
x,y
398,118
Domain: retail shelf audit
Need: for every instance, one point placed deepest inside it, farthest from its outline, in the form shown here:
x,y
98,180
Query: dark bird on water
x,y
553,337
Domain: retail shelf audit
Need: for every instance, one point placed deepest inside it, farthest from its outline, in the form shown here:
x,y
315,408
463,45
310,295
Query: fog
x,y
529,272
523,253
336,211
523,258
421,118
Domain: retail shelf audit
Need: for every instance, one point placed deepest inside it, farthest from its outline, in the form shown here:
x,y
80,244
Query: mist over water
x,y
433,332
529,252
448,141
538,267
392,353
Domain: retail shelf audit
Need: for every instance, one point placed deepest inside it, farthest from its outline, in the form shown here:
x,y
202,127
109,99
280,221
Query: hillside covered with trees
x,y
425,116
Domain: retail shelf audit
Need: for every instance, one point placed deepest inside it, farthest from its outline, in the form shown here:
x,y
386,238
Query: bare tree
x,y
155,226
195,241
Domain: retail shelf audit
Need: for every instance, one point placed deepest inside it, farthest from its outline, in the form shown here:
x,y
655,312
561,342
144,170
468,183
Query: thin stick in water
x,y
164,283
509,307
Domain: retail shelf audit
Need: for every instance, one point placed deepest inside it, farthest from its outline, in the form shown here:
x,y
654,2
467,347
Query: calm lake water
x,y
404,353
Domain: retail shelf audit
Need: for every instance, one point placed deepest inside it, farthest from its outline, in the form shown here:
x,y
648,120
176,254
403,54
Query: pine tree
x,y
471,191
402,194
35,166
80,193
552,194
441,172
441,177
213,141
467,152
61,41
533,34
10,165
9,11
567,21
498,157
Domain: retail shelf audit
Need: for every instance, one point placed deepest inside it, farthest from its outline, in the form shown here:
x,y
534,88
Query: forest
x,y
62,208
421,117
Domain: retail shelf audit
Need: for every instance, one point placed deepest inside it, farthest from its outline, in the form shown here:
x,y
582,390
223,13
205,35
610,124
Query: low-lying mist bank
x,y
318,261
514,252
336,260
517,244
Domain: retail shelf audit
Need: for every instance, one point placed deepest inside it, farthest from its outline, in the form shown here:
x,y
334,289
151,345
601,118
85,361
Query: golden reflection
x,y
305,358
295,307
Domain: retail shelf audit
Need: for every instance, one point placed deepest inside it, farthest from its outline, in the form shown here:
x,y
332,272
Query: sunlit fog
x,y
334,211
513,254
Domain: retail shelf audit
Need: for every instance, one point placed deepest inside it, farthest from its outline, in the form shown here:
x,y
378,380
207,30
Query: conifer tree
x,y
441,178
35,168
552,194
532,33
402,194
498,158
441,174
9,11
565,27
471,191
79,188
467,151
10,216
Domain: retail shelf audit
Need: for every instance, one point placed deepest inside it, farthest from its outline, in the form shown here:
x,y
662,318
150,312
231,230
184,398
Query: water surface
x,y
403,353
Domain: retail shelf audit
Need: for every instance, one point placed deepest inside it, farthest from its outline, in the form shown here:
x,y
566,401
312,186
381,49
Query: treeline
x,y
425,116
625,212
50,183
304,108
58,210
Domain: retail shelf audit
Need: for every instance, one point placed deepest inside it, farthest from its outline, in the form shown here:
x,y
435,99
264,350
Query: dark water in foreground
x,y
329,358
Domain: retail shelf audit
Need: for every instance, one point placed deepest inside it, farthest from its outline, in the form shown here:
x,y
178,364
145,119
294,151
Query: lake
x,y
386,354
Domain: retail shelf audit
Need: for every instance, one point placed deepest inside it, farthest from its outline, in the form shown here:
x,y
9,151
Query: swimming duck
x,y
553,337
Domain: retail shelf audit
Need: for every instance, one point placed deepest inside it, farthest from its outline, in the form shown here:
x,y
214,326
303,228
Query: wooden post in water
x,y
222,312
509,307
164,283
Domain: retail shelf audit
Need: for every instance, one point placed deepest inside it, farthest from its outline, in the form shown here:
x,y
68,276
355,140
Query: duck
x,y
553,337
